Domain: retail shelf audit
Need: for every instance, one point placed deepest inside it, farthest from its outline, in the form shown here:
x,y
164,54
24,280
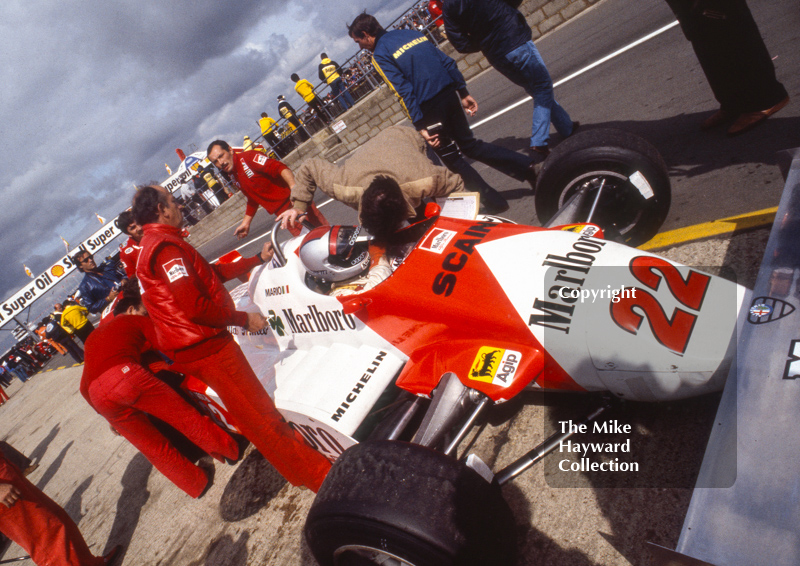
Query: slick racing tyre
x,y
635,195
400,504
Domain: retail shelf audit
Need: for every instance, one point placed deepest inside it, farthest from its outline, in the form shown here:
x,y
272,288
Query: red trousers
x,y
231,377
41,527
314,216
123,395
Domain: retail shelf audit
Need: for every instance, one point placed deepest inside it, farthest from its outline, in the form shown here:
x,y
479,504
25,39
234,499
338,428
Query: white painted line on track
x,y
581,71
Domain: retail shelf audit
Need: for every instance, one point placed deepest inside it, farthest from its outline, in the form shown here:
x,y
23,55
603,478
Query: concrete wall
x,y
380,109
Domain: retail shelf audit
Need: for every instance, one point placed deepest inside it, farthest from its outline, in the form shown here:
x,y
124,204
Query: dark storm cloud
x,y
97,96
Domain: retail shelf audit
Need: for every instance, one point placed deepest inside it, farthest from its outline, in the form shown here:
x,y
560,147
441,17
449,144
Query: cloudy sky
x,y
97,95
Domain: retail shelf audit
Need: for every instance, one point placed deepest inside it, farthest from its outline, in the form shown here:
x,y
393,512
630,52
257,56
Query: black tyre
x,y
611,159
396,503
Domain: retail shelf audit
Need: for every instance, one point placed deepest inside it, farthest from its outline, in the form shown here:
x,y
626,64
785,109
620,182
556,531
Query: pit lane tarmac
x,y
252,516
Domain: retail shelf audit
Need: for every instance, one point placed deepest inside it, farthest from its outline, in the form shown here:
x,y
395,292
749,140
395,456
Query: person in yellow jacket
x,y
267,126
306,90
331,73
74,320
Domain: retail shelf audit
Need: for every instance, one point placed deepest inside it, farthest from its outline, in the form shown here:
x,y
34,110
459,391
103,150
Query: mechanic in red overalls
x,y
41,527
129,251
119,388
264,181
191,310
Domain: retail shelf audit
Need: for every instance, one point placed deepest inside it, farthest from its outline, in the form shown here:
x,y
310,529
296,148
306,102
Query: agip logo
x,y
495,365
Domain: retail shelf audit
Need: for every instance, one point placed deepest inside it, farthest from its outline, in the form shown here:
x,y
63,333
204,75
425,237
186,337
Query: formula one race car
x,y
387,382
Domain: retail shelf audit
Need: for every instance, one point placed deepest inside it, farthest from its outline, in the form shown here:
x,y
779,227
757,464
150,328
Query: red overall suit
x,y
123,392
191,309
259,178
128,255
40,526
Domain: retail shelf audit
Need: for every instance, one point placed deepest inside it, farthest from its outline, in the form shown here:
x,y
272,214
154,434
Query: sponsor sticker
x,y
437,240
768,309
175,269
583,229
261,159
495,365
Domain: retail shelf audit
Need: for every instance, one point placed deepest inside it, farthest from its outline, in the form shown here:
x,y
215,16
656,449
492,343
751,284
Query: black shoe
x,y
540,150
207,465
533,172
493,202
113,557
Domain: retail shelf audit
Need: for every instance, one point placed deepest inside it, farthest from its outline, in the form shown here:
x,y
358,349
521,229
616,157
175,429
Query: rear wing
x,y
745,508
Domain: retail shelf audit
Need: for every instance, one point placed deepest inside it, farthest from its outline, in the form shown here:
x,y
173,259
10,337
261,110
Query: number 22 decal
x,y
673,332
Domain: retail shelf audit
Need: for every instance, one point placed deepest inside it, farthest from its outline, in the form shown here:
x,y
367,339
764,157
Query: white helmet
x,y
334,253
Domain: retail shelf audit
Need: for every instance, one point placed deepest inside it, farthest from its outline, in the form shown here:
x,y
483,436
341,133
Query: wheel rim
x,y
358,555
621,203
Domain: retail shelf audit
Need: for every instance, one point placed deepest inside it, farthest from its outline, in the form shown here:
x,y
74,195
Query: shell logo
x,y
57,270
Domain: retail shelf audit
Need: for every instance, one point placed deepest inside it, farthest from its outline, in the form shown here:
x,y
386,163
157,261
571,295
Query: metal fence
x,y
359,79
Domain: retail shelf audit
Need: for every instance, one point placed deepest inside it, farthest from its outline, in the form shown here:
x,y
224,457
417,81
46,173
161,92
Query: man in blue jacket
x,y
432,91
501,33
100,285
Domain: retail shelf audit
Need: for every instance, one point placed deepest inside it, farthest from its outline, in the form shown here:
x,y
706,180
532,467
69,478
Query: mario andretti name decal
x,y
495,365
316,320
445,281
558,315
358,387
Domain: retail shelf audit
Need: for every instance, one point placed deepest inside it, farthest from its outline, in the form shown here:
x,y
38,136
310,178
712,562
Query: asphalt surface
x,y
251,516
656,90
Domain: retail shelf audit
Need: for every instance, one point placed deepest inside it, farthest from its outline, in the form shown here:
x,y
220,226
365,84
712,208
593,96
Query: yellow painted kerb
x,y
728,225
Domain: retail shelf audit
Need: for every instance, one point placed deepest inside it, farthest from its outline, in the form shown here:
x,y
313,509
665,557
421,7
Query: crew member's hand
x,y
112,295
242,231
433,140
9,494
470,105
289,218
267,252
255,322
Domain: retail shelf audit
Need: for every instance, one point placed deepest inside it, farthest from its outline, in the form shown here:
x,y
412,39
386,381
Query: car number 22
x,y
673,332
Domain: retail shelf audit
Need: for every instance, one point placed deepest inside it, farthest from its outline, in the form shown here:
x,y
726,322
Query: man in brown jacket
x,y
398,152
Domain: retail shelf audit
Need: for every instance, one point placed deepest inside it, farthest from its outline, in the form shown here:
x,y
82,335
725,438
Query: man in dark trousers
x,y
735,60
191,311
432,91
501,33
54,331
331,73
41,527
288,112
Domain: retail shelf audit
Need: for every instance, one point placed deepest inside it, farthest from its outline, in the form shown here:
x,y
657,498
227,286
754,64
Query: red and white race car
x,y
475,313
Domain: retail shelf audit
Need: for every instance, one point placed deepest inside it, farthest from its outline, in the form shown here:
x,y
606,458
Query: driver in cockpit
x,y
337,261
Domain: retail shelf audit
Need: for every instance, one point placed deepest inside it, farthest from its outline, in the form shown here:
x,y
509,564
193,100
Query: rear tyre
x,y
401,504
635,195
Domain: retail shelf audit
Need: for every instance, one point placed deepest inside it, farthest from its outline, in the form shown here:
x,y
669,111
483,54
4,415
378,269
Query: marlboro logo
x,y
571,268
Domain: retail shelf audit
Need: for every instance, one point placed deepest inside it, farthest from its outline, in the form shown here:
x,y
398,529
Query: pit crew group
x,y
180,318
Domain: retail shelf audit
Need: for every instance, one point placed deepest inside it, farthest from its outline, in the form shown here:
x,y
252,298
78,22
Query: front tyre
x,y
401,504
635,195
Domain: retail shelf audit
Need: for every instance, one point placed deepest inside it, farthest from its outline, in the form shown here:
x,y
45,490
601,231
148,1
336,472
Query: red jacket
x,y
259,178
183,293
128,255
